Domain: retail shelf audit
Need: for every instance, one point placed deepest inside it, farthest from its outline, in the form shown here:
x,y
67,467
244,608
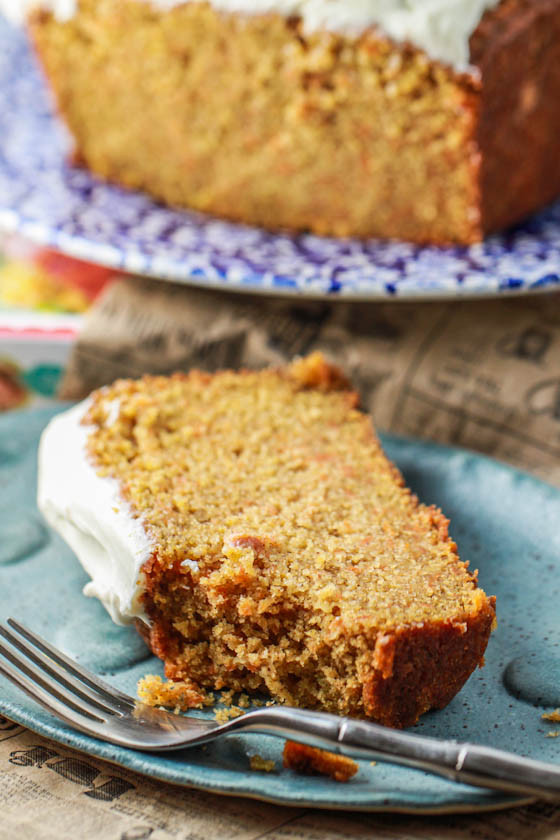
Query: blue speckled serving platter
x,y
65,207
506,525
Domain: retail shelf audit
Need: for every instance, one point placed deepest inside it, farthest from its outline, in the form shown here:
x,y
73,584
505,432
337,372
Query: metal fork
x,y
87,703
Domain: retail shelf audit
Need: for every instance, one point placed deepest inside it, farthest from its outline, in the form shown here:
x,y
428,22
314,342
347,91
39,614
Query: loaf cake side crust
x,y
517,48
248,119
288,558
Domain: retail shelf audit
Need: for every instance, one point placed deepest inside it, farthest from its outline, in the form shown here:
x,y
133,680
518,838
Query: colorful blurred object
x,y
13,393
34,351
42,279
43,295
27,285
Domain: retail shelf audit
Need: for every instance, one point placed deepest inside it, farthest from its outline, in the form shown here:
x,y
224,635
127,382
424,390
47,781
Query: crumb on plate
x,y
179,696
310,761
223,715
265,765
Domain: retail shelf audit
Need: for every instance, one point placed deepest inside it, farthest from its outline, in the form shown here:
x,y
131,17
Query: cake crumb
x,y
178,696
310,761
554,734
265,765
223,715
226,697
552,716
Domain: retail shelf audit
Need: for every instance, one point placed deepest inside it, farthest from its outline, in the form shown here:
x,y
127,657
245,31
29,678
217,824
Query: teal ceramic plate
x,y
506,525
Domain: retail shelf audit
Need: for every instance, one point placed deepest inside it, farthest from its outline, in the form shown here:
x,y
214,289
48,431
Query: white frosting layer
x,y
16,10
89,512
442,28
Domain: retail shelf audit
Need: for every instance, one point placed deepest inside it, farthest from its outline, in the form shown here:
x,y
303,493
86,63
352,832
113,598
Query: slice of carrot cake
x,y
254,528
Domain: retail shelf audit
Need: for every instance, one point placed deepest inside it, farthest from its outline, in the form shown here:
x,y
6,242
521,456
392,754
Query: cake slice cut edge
x,y
286,556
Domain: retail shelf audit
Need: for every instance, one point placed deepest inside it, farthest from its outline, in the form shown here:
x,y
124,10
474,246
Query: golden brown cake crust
x,y
517,48
288,557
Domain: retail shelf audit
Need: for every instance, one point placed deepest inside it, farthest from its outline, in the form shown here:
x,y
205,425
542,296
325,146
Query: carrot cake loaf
x,y
253,527
427,121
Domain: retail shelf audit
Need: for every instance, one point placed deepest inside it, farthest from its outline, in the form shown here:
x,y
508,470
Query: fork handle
x,y
471,764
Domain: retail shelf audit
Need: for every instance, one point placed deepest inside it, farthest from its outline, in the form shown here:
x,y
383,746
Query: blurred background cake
x,y
427,121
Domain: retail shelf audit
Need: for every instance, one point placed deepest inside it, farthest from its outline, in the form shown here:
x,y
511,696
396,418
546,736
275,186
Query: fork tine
x,y
47,670
108,692
70,713
54,697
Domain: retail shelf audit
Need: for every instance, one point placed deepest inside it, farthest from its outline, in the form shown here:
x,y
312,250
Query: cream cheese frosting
x,y
88,511
442,28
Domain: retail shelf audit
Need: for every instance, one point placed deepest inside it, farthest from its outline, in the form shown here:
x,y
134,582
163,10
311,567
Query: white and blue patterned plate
x,y
67,208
